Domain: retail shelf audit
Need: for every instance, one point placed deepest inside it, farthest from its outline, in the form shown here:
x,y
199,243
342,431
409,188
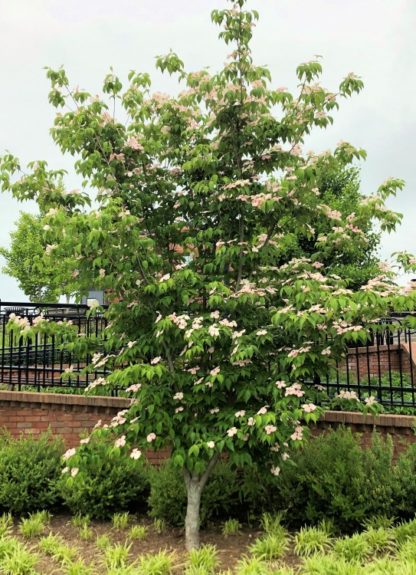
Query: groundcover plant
x,y
199,201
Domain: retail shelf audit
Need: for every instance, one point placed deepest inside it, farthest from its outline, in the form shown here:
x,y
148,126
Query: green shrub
x,y
30,469
167,499
107,481
333,478
405,483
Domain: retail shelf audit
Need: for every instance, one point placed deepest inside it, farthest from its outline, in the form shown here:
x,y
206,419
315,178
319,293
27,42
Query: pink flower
x,y
136,453
134,144
297,435
155,360
120,442
262,410
165,278
232,431
309,407
295,390
280,384
151,437
269,429
215,371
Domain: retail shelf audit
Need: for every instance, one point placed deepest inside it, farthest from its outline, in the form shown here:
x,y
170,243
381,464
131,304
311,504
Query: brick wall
x,y
399,427
72,415
376,360
66,415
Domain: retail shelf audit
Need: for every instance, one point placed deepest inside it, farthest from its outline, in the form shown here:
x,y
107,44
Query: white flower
x,y
65,470
165,278
178,396
240,413
232,431
135,387
49,249
214,410
213,331
69,453
261,332
262,410
280,384
210,444
74,471
155,360
93,303
251,422
120,442
151,437
275,471
85,441
136,454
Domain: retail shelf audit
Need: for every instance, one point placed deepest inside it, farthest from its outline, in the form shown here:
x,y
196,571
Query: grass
x,y
231,527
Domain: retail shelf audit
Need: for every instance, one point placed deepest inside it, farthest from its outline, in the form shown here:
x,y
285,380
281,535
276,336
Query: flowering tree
x,y
199,197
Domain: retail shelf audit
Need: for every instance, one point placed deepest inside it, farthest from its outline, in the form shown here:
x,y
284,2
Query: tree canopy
x,y
200,200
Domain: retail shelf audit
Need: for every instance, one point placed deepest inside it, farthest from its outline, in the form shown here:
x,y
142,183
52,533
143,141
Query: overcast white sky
x,y
373,38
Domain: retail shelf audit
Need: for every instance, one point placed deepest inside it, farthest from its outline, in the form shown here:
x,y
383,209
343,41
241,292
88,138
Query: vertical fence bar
x,y
389,366
3,344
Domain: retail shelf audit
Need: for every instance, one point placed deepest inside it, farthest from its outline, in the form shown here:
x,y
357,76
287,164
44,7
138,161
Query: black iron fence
x,y
383,368
42,362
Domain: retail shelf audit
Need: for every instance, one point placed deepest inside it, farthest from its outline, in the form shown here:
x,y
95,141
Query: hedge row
x,y
331,478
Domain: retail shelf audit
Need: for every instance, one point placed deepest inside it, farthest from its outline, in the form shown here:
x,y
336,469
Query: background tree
x,y
25,261
340,190
199,198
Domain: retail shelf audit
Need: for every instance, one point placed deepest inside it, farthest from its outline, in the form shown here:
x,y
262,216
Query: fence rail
x,y
384,368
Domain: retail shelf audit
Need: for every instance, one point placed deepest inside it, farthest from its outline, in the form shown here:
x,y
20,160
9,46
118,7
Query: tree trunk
x,y
194,490
194,486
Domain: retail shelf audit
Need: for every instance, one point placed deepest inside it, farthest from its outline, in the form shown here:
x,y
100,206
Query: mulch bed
x,y
230,549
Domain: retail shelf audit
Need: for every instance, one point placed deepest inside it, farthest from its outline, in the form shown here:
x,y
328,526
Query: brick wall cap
x,y
63,399
382,420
